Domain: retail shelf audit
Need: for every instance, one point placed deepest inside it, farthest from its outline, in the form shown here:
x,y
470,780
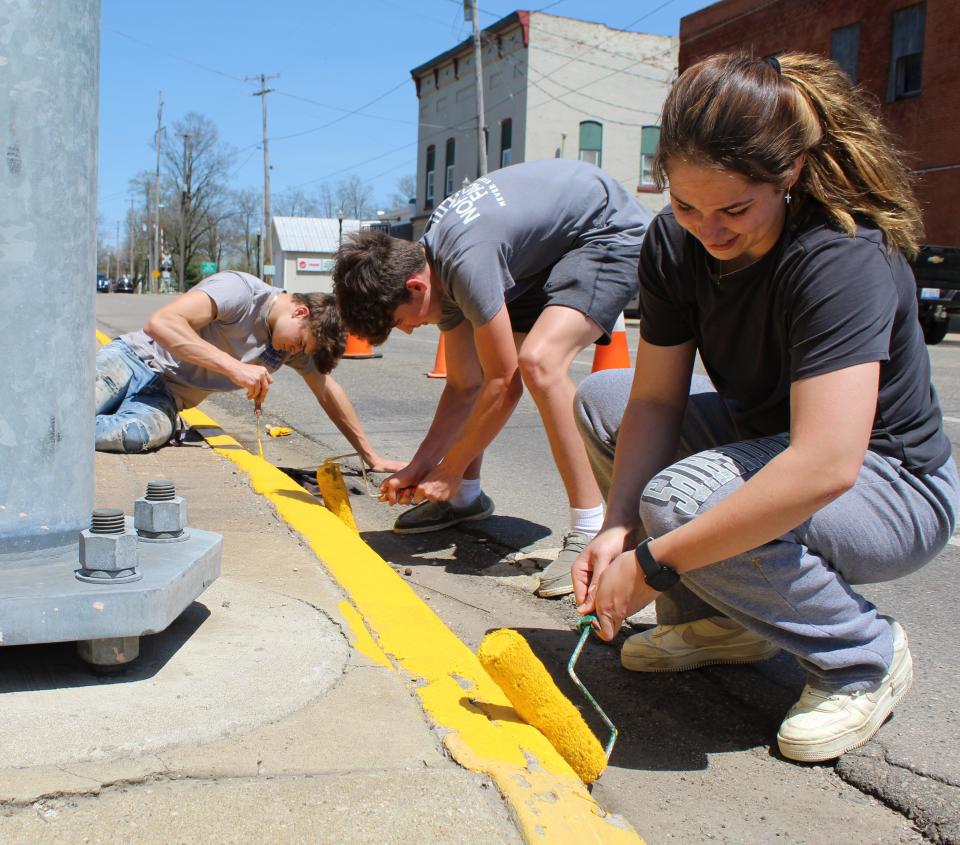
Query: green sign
x,y
207,268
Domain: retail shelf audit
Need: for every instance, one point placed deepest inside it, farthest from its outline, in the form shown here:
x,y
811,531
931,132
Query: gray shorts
x,y
598,279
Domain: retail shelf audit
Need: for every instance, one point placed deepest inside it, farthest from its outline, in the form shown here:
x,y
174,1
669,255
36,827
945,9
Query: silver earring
x,y
787,197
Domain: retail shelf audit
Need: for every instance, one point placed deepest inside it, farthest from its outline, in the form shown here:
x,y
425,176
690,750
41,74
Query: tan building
x,y
553,88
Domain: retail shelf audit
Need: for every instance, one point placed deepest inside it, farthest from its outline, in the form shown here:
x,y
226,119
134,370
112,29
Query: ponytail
x,y
756,117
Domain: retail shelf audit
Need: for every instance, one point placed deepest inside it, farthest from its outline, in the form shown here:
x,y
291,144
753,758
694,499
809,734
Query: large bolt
x,y
161,514
108,550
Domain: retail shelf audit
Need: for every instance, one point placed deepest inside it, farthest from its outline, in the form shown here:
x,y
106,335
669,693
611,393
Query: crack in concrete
x,y
919,805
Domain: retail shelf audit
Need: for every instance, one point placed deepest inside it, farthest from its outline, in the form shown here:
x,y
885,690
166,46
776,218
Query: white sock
x,y
467,493
586,520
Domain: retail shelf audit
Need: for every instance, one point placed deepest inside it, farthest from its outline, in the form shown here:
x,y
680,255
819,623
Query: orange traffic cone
x,y
357,347
615,355
440,363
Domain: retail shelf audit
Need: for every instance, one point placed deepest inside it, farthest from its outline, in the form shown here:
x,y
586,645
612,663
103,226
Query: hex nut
x,y
160,517
108,552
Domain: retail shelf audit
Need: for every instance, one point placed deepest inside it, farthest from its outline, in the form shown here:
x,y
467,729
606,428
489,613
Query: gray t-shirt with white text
x,y
240,329
489,240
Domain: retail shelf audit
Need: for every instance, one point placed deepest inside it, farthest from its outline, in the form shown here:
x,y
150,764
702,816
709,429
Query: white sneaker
x,y
822,725
676,648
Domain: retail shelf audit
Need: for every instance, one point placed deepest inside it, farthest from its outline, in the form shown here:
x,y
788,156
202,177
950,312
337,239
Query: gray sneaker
x,y
556,579
434,516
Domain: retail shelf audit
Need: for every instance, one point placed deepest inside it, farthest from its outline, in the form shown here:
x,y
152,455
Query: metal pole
x,y
157,258
267,240
478,71
49,219
133,274
184,201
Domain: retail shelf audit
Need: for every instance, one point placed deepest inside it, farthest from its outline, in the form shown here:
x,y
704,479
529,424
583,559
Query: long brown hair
x,y
755,117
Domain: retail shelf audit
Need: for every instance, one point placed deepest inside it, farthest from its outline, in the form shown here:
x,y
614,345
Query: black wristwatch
x,y
657,575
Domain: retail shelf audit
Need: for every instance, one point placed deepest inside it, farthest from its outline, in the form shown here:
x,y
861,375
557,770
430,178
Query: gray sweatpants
x,y
795,590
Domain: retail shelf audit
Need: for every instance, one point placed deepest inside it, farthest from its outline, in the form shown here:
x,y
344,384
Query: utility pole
x,y
184,202
133,275
471,13
267,240
157,258
117,249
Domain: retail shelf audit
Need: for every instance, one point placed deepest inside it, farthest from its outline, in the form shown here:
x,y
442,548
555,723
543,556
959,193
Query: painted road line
x,y
951,419
549,802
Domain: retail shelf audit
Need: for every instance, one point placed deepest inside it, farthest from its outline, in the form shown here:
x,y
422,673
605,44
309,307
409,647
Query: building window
x,y
906,53
649,138
431,170
591,142
448,172
506,142
845,50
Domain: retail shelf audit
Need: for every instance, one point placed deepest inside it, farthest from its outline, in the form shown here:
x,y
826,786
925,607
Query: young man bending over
x,y
521,270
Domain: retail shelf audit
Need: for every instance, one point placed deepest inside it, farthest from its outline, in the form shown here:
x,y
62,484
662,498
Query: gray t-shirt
x,y
818,302
489,240
240,329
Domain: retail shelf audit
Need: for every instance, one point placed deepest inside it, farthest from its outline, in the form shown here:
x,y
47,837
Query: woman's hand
x,y
618,592
595,558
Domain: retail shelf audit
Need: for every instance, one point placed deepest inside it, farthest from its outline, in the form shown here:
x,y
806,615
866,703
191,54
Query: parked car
x,y
125,284
937,270
103,283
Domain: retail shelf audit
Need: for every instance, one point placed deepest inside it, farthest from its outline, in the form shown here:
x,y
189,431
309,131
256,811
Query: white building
x,y
553,88
303,251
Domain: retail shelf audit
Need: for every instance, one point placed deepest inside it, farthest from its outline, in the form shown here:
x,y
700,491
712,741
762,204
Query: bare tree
x,y
294,202
354,196
327,202
405,192
241,227
197,166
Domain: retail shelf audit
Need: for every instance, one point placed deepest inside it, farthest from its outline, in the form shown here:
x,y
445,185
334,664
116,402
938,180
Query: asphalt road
x,y
693,758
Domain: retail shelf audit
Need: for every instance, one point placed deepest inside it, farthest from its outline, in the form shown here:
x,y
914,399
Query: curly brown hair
x,y
327,326
370,281
755,117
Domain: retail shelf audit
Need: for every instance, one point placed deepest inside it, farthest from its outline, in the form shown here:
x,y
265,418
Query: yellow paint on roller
x,y
334,492
362,641
510,661
279,430
548,800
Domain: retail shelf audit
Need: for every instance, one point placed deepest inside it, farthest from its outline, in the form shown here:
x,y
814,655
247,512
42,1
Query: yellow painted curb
x,y
480,729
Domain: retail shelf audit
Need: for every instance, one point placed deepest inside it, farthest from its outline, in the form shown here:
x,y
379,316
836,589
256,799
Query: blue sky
x,y
331,57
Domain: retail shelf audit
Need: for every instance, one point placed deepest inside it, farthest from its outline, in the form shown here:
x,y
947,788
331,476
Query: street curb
x,y
392,626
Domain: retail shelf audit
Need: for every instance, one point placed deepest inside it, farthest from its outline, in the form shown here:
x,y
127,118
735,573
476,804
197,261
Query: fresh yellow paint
x,y
334,492
362,641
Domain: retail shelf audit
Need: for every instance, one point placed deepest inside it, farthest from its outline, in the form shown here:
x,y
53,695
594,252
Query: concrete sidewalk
x,y
265,713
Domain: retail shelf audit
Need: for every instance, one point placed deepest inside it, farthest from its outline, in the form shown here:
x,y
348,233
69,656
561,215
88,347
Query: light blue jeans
x,y
135,411
796,590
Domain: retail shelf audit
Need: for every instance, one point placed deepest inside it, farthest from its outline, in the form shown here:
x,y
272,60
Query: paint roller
x,y
527,684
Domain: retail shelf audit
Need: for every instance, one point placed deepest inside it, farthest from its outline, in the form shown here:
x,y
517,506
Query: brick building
x,y
903,52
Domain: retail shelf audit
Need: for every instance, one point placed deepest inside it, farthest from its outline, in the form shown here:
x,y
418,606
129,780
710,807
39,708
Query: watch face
x,y
657,575
663,579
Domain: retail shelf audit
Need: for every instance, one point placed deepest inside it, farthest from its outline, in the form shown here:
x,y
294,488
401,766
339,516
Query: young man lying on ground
x,y
232,331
